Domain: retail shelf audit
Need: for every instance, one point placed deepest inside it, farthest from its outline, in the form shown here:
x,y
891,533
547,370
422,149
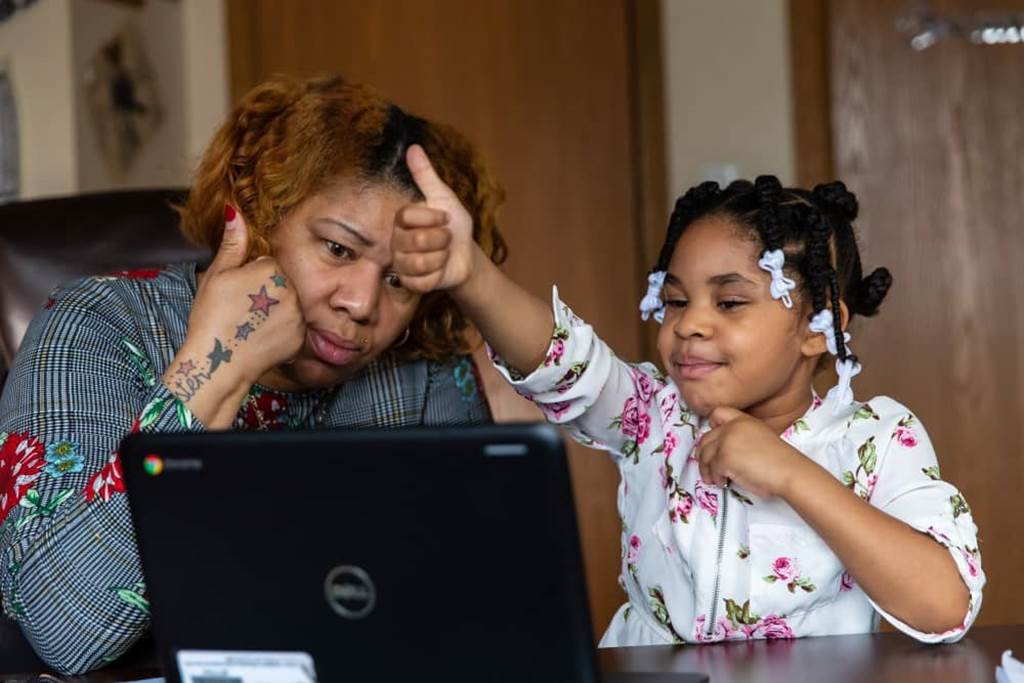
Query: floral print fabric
x,y
701,563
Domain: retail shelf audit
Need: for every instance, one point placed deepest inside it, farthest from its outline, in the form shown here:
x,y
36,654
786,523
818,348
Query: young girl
x,y
751,507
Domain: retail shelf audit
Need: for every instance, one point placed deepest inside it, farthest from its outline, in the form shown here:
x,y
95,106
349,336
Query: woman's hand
x,y
743,450
433,243
245,320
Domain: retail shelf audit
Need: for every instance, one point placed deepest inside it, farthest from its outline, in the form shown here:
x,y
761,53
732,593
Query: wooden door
x,y
546,91
931,142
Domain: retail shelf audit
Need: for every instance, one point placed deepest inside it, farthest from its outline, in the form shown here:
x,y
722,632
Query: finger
x,y
420,263
421,239
420,216
233,244
430,184
722,415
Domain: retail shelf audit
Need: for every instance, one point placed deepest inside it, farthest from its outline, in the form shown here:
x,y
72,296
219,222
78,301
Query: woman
x,y
298,322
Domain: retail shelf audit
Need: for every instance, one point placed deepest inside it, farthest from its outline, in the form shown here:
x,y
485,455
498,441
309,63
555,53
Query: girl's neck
x,y
784,408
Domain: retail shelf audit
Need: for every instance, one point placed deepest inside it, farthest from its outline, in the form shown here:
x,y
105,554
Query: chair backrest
x,y
45,242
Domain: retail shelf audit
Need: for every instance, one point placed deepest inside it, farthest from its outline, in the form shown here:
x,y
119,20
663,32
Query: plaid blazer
x,y
88,373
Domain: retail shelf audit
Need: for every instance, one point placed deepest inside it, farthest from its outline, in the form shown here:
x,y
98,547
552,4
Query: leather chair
x,y
45,242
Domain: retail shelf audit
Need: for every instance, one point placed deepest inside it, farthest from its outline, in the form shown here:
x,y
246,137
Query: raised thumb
x,y
234,243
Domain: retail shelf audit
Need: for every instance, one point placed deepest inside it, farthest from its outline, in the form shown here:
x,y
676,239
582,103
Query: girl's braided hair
x,y
813,229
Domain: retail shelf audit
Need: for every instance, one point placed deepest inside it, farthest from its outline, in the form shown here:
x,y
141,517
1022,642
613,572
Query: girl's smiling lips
x,y
690,367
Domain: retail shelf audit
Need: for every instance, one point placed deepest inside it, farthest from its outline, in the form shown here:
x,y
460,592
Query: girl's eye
x,y
339,251
730,304
392,280
675,303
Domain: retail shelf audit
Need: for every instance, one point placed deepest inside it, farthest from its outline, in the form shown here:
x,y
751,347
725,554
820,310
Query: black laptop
x,y
406,554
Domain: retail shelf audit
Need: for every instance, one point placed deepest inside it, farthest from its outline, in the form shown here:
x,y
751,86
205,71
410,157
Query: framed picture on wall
x,y
122,99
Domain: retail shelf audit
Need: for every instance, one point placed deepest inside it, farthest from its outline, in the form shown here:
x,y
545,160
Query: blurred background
x,y
595,115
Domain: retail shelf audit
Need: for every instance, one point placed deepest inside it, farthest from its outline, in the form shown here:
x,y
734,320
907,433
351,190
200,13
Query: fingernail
x,y
229,213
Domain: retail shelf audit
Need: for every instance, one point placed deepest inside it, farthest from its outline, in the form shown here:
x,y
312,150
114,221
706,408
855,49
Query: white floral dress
x,y
701,563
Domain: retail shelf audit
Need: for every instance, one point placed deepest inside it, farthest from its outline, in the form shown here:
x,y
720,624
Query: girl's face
x,y
725,341
335,249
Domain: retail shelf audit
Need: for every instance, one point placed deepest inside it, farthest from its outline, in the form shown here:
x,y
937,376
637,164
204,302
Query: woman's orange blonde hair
x,y
287,140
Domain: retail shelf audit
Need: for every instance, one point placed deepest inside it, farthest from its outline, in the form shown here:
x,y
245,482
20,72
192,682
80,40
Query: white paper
x,y
210,666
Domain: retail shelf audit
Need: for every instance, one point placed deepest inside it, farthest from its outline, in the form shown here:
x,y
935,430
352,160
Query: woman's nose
x,y
357,291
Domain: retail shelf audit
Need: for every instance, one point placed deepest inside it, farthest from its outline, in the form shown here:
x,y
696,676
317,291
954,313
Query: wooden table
x,y
878,658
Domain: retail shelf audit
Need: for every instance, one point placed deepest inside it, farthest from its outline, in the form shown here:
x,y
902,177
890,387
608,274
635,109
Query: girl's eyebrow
x,y
728,279
723,279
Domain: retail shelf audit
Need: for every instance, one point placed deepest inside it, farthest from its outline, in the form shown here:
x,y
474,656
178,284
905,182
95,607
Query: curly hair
x,y
813,228
288,140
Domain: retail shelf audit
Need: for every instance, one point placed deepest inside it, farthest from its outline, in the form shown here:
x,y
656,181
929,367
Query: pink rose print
x,y
846,583
723,630
554,411
635,423
671,441
683,508
905,436
972,562
785,569
774,627
816,402
643,385
668,406
665,480
707,499
555,353
634,549
872,481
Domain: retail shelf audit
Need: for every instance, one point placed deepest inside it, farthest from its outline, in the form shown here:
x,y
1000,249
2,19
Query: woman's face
x,y
335,250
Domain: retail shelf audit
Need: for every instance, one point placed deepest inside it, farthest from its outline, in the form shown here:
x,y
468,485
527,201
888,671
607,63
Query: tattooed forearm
x,y
194,377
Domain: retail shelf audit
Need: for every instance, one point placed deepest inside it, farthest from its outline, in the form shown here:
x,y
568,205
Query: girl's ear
x,y
814,344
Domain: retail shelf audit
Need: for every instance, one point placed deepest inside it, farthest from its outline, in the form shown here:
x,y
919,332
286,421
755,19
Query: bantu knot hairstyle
x,y
813,228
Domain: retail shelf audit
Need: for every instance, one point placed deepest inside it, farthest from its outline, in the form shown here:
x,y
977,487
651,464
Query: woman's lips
x,y
330,348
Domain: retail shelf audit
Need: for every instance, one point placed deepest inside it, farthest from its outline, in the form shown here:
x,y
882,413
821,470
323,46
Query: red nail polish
x,y
229,213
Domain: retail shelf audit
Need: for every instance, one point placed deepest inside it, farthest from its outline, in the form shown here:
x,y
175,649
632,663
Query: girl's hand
x,y
245,320
433,244
743,450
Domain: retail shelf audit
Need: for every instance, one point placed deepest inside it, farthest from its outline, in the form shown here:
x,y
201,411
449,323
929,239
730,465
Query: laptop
x,y
365,555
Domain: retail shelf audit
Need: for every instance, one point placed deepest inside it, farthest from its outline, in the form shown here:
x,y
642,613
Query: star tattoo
x,y
279,280
218,355
186,368
261,302
243,331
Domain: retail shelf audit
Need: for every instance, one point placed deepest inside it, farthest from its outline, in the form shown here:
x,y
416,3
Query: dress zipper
x,y
718,563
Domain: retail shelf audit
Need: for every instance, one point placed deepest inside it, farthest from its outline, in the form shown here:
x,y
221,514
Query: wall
x,y
35,46
727,90
49,45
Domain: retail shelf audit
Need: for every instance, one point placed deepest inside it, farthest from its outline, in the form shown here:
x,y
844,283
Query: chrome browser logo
x,y
153,464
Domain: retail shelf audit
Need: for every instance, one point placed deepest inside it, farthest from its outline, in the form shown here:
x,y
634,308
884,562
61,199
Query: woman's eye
x,y
730,304
392,280
339,251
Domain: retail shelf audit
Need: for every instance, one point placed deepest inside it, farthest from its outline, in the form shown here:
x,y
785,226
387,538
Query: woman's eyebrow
x,y
352,230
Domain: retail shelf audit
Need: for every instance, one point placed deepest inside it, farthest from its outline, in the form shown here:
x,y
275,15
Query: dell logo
x,y
350,592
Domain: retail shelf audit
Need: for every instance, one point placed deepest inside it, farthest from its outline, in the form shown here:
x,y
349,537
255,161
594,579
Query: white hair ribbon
x,y
842,392
652,303
822,324
773,261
